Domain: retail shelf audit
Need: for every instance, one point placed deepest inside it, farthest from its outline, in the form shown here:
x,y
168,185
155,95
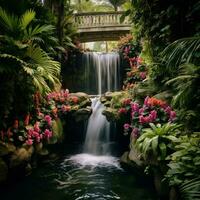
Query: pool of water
x,y
80,177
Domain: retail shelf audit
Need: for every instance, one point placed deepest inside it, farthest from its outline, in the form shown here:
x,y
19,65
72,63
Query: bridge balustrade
x,y
100,19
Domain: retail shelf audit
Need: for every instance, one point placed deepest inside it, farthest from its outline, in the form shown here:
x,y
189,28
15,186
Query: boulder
x,y
81,95
6,148
111,114
20,156
83,114
3,171
85,103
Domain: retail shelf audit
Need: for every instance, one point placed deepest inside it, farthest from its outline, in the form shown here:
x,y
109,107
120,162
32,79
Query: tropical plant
x,y
185,161
181,51
189,190
19,47
157,141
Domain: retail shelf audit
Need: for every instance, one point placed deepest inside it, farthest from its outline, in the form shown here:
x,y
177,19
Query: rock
x,y
6,148
3,171
111,114
81,95
38,147
133,159
83,113
43,152
103,99
20,156
135,156
85,103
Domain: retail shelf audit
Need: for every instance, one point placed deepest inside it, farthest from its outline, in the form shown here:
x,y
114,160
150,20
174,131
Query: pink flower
x,y
168,110
36,127
143,75
122,110
135,133
139,60
135,107
47,133
142,119
29,142
153,115
126,126
47,118
141,110
172,115
146,101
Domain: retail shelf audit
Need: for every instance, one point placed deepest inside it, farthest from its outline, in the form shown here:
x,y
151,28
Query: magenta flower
x,y
143,75
36,127
126,126
47,118
168,110
153,115
141,110
135,107
172,115
29,142
142,119
47,133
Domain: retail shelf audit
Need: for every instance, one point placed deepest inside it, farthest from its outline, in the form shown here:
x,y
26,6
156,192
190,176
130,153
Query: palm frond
x,y
27,18
190,190
8,21
181,51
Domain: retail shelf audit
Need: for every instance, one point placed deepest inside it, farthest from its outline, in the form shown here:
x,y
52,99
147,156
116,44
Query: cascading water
x,y
103,67
102,72
98,131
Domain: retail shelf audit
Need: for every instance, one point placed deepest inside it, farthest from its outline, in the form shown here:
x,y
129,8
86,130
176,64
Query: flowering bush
x,y
36,126
140,116
137,71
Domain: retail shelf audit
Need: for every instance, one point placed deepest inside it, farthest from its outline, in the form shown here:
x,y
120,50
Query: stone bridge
x,y
101,26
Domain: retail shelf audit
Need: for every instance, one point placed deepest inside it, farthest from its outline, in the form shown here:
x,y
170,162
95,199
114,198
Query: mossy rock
x,y
6,148
111,114
85,103
20,156
83,114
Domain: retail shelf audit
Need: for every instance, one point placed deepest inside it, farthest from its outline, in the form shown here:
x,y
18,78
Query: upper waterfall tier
x,y
102,72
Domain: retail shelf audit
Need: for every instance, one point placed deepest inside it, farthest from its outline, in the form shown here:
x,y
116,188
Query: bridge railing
x,y
100,19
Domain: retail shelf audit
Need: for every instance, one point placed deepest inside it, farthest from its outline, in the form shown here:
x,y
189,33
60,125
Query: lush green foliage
x,y
157,141
185,161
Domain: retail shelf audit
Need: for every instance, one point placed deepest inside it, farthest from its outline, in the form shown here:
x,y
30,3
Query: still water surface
x,y
80,177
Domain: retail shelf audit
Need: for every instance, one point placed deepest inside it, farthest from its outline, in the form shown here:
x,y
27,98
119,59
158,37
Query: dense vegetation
x,y
161,112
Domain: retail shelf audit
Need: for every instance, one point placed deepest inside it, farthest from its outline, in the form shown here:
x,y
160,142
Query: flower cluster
x,y
61,102
130,50
36,126
41,130
152,110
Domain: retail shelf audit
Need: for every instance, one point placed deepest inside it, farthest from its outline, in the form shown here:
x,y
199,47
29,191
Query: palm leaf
x,y
190,190
27,18
8,21
181,51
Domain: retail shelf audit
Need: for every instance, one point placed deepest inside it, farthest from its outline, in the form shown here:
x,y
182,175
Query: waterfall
x,y
102,72
98,131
